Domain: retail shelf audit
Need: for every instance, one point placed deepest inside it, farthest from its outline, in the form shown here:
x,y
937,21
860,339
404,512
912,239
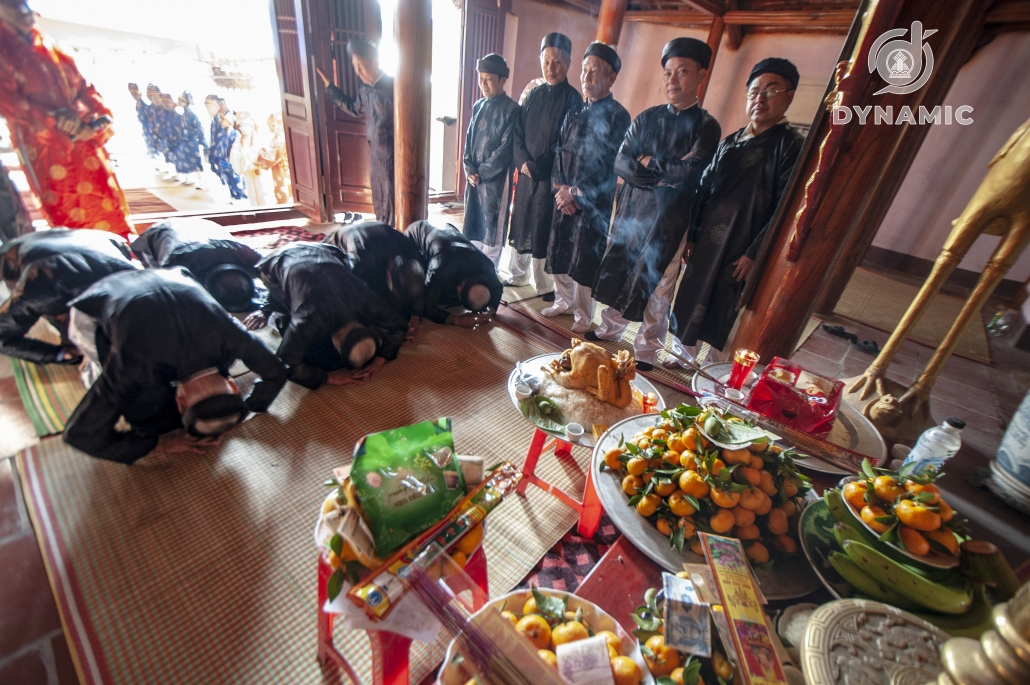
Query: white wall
x,y
640,83
953,160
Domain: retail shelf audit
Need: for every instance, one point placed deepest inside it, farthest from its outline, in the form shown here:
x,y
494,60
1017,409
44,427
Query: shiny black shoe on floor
x,y
591,336
645,366
548,297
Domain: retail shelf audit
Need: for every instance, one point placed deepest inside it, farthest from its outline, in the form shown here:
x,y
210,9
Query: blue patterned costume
x,y
145,113
187,156
170,131
222,140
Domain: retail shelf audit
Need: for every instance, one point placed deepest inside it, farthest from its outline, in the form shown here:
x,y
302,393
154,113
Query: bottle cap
x,y
955,422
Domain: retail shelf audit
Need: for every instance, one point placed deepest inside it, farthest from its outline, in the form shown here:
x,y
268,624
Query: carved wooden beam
x,y
1009,13
837,20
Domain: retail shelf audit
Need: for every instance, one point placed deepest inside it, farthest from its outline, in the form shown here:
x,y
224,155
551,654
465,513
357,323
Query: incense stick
x,y
694,365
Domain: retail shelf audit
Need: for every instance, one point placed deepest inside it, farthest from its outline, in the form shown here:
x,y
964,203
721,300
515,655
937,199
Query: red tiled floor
x,y
27,669
63,663
10,516
29,611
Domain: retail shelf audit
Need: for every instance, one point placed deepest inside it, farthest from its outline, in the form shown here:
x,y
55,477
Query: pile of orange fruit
x,y
547,622
905,508
683,483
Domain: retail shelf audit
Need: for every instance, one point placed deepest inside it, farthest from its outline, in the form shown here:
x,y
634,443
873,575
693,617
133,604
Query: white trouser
x,y
571,295
651,336
494,253
82,331
520,266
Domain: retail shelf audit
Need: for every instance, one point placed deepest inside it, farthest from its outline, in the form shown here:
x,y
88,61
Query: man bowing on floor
x,y
740,190
583,180
487,159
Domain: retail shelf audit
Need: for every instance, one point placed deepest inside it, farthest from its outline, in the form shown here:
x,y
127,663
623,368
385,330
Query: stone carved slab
x,y
860,642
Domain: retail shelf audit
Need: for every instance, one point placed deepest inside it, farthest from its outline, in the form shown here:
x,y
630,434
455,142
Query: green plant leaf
x,y
891,534
334,584
693,501
938,547
666,680
691,671
332,482
553,422
925,497
677,539
867,469
336,544
634,499
551,608
353,569
646,651
885,520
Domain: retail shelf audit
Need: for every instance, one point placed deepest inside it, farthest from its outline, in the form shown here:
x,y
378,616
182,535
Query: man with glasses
x,y
661,161
739,193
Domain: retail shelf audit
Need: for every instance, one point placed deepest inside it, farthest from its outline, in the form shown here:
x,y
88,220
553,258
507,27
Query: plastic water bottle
x,y
936,445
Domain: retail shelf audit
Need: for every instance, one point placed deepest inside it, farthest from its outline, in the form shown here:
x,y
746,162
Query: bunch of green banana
x,y
903,580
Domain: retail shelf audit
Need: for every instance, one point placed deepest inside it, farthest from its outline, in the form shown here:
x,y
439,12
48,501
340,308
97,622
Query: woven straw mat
x,y
202,568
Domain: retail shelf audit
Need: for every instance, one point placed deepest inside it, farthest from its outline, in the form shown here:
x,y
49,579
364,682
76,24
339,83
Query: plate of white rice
x,y
579,406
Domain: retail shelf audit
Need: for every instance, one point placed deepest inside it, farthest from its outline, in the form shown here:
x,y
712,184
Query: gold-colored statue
x,y
1000,657
1001,207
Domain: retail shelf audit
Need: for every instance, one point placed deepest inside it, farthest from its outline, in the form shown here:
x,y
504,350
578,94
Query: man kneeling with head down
x,y
224,266
165,383
457,275
387,261
335,329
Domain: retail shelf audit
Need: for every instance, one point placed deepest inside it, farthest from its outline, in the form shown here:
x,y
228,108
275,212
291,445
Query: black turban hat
x,y
363,48
493,64
557,40
779,66
605,52
691,48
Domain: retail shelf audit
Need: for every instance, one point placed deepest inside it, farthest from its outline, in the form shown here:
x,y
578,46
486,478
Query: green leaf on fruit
x,y
334,584
551,608
336,544
550,420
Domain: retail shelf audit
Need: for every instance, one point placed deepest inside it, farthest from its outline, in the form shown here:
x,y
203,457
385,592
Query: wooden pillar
x,y
734,34
871,160
714,39
609,21
411,90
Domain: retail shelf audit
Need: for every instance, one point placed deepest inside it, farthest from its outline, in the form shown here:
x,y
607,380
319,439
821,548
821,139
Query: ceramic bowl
x,y
523,391
573,431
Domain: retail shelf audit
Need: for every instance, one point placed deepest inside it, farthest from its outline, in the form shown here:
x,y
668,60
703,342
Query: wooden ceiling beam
x,y
1009,13
711,7
832,20
734,34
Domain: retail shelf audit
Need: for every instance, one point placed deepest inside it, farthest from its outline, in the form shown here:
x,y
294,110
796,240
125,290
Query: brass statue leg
x,y
1005,255
962,236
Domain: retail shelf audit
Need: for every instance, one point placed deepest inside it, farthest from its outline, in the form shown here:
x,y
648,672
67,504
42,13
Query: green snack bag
x,y
408,479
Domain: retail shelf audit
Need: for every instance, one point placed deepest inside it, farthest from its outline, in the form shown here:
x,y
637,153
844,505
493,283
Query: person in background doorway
x,y
14,218
487,159
165,347
661,161
458,275
374,101
161,162
59,124
171,127
145,114
739,193
223,136
536,135
192,140
273,158
583,181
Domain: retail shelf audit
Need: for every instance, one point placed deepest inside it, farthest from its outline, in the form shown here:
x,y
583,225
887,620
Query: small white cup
x,y
573,431
732,394
522,391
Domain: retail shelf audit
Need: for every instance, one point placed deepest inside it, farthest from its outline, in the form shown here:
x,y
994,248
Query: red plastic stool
x,y
589,509
389,650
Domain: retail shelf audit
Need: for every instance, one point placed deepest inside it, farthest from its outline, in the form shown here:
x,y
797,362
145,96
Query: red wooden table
x,y
589,508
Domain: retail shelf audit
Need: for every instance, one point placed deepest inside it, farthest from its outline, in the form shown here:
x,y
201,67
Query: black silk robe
x,y
654,207
315,293
739,193
44,272
488,153
375,103
450,259
156,327
536,136
590,139
370,247
185,243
